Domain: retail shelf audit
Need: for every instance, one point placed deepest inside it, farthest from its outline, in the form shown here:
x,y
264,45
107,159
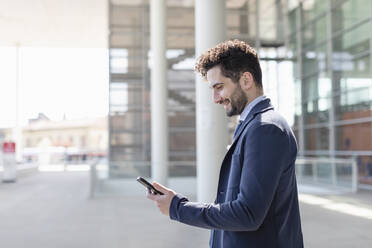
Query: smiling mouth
x,y
225,102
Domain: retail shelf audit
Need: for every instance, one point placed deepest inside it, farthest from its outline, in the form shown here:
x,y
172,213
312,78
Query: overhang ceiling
x,y
67,23
179,3
54,23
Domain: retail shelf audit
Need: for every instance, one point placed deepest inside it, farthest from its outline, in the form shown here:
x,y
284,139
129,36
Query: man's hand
x,y
162,201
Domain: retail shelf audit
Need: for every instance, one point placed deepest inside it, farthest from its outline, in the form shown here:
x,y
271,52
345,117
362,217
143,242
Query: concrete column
x,y
370,52
301,131
370,43
277,79
285,23
211,120
2,136
159,92
332,145
332,132
17,130
257,22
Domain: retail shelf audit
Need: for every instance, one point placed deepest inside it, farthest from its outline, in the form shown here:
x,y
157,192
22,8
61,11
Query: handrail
x,y
333,163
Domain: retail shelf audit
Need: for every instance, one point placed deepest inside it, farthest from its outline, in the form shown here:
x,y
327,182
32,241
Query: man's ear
x,y
246,81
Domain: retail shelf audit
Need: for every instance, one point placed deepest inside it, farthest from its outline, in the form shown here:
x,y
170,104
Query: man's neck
x,y
251,98
249,108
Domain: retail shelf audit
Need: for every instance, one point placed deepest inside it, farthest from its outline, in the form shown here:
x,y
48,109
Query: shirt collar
x,y
250,106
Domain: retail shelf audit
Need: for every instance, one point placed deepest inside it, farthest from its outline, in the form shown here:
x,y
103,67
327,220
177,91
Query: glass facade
x,y
331,45
317,52
129,105
130,68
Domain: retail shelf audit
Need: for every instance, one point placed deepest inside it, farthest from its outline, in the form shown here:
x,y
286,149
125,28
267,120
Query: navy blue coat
x,y
257,199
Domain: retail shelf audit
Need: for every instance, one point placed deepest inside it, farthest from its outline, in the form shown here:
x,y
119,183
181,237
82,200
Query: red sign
x,y
9,147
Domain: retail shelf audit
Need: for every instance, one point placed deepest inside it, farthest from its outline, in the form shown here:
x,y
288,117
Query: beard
x,y
238,101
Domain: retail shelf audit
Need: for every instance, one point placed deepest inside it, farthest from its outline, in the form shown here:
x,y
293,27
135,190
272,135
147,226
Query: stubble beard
x,y
238,101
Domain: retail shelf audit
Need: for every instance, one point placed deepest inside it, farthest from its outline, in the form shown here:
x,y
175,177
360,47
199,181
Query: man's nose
x,y
217,98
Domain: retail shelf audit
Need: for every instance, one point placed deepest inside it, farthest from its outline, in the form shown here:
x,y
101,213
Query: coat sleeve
x,y
264,158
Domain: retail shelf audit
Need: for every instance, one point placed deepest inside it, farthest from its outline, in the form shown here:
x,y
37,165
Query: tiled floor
x,y
53,209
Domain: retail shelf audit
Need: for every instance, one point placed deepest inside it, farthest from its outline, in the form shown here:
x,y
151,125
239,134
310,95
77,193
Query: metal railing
x,y
328,172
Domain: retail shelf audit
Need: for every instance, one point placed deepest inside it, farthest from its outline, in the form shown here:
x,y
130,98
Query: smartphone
x,y
149,186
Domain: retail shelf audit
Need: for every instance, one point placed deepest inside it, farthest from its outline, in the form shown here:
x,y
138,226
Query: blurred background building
x,y
47,142
261,23
320,50
315,56
76,91
330,44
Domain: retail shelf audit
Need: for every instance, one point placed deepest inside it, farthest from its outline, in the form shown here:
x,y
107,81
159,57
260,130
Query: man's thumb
x,y
160,187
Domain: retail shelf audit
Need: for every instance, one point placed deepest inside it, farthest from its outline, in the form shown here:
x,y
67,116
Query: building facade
x,y
330,44
325,45
130,75
65,141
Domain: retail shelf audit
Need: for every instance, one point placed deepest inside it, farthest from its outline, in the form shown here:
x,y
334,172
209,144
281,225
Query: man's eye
x,y
219,87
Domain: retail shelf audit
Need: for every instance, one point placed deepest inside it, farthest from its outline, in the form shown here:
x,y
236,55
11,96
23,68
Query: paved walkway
x,y
52,209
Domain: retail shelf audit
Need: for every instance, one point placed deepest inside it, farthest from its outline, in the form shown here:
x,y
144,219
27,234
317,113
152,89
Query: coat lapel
x,y
261,107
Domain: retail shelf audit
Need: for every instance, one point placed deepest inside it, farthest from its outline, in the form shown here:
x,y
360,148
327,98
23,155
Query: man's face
x,y
226,92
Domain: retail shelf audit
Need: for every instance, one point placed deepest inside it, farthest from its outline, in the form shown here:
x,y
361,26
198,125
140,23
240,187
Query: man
x,y
257,200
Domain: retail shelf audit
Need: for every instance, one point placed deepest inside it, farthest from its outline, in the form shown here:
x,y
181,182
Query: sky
x,y
58,82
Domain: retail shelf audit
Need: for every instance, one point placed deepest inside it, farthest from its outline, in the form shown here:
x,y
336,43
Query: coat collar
x,y
260,107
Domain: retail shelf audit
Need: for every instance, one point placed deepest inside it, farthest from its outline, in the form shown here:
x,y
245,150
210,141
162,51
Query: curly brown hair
x,y
235,57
